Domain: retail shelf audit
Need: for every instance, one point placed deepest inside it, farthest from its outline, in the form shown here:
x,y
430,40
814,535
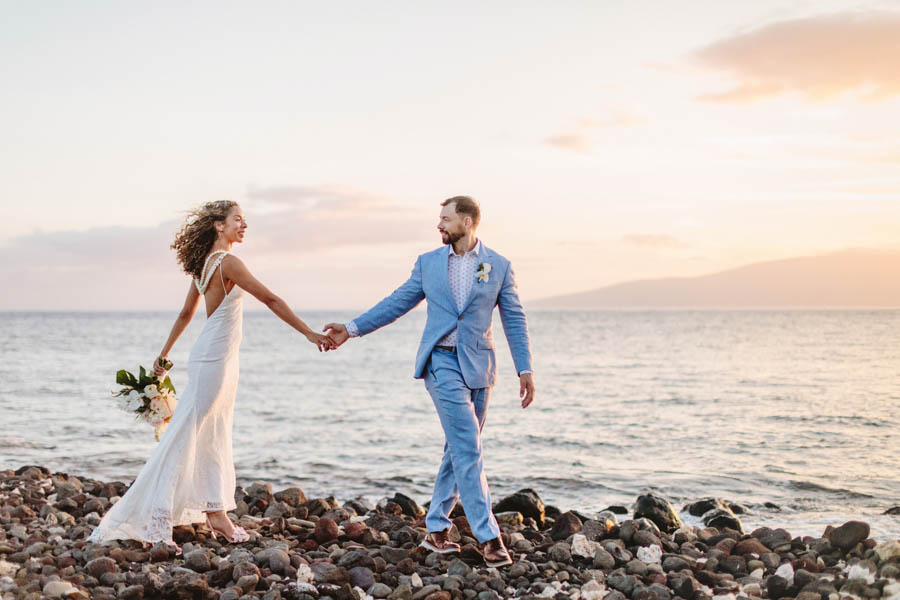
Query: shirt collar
x,y
476,250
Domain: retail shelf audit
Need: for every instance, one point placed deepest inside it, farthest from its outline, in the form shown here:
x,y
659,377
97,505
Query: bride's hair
x,y
198,234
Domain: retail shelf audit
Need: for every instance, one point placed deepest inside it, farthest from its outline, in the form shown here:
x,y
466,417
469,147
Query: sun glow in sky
x,y
606,141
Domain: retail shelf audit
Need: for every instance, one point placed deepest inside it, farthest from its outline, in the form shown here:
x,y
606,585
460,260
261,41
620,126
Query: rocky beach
x,y
316,548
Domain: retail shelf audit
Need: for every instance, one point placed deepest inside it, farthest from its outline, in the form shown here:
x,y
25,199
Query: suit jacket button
x,y
459,318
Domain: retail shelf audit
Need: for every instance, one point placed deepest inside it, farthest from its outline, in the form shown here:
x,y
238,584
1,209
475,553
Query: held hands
x,y
337,333
526,388
322,342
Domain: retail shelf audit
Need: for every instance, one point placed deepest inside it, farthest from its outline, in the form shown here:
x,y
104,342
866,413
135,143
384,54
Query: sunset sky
x,y
606,141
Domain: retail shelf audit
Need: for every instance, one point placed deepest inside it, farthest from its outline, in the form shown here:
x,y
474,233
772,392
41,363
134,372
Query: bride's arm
x,y
181,322
234,269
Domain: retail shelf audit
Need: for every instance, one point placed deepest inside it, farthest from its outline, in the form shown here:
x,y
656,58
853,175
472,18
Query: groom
x,y
462,283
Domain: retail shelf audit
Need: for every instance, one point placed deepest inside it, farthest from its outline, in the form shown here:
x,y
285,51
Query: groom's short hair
x,y
465,205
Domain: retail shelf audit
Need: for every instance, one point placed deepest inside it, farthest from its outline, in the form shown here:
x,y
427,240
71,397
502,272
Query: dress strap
x,y
209,269
222,276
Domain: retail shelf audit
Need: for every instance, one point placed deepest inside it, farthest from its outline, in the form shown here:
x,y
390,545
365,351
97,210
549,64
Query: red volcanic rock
x,y
326,530
354,531
309,545
99,566
750,546
159,552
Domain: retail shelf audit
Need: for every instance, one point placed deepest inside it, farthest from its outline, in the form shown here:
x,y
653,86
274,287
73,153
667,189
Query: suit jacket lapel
x,y
443,273
484,257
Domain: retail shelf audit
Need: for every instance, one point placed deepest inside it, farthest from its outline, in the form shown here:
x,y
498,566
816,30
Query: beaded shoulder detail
x,y
208,269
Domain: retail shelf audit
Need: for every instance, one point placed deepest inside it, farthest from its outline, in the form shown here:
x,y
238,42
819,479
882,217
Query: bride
x,y
189,477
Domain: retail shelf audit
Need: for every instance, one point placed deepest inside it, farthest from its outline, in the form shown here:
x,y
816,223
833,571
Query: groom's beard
x,y
451,238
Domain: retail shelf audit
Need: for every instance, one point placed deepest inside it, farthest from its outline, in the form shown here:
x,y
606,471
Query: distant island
x,y
850,278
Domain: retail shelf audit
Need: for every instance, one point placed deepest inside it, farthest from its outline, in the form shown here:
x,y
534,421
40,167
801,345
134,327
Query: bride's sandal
x,y
239,535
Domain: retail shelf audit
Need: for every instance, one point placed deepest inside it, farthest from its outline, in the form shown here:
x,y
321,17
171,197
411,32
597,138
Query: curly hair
x,y
196,237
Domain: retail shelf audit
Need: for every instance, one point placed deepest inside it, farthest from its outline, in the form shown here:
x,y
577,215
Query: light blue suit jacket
x,y
475,342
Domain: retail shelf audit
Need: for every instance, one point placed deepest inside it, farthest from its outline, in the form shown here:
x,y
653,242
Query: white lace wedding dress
x,y
191,471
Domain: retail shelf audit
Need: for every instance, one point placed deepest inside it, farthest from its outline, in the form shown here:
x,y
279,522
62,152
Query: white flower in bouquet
x,y
133,401
159,405
151,391
130,402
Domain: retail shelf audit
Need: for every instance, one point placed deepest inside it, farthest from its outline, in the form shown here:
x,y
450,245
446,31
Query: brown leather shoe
x,y
495,554
439,541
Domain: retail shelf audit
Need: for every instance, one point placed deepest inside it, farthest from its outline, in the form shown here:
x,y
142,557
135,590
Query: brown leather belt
x,y
447,348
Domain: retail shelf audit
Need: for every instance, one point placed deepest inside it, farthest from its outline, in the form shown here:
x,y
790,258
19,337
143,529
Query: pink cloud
x,y
578,138
576,142
654,240
133,267
308,218
819,57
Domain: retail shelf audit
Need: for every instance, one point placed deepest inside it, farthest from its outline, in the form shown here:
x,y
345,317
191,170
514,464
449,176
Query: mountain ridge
x,y
858,278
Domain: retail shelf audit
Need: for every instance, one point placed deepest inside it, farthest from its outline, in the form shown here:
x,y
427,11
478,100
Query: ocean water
x,y
794,408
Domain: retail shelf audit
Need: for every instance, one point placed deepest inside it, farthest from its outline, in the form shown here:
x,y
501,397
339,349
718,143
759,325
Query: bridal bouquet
x,y
147,397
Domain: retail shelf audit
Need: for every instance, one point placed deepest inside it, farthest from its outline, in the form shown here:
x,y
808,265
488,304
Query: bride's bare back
x,y
214,289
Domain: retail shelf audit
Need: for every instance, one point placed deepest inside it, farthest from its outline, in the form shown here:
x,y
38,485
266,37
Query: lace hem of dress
x,y
158,527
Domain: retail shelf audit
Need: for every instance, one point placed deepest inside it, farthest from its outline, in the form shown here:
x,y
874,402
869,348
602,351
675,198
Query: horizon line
x,y
624,308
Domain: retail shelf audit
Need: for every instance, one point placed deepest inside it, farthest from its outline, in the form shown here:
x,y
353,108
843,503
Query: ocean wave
x,y
819,420
811,486
22,443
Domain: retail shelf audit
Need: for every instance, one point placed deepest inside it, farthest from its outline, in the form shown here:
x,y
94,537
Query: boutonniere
x,y
483,272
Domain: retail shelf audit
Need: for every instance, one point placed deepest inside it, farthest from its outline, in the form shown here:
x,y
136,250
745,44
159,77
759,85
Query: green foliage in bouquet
x,y
127,379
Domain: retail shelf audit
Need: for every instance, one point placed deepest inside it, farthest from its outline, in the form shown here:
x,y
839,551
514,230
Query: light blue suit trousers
x,y
462,412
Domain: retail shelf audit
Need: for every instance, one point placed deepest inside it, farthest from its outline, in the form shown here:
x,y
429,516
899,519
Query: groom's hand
x,y
337,332
526,388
